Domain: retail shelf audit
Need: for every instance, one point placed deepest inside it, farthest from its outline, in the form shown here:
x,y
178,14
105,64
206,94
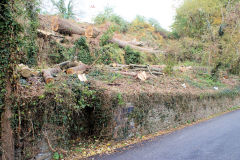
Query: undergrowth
x,y
67,110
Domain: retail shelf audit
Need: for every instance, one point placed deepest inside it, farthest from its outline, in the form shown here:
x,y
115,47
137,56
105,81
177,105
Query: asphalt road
x,y
216,139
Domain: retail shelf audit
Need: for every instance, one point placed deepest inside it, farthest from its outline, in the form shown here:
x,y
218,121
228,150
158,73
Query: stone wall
x,y
147,113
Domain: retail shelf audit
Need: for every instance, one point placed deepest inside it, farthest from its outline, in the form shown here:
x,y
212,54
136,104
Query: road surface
x,y
216,139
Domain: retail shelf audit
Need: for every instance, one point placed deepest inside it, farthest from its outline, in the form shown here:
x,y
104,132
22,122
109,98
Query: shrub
x,y
104,40
118,22
82,51
58,53
194,17
111,53
132,57
169,66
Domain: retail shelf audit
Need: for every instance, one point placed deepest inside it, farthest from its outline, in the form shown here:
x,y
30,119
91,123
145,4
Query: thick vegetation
x,y
205,33
209,30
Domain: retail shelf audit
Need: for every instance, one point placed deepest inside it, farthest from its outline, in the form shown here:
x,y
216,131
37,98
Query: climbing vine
x,y
10,46
30,40
13,43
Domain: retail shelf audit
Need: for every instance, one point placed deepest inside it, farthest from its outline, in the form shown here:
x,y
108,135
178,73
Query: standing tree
x,y
65,11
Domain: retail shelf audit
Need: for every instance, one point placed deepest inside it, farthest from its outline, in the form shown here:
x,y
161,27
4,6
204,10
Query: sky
x,y
161,10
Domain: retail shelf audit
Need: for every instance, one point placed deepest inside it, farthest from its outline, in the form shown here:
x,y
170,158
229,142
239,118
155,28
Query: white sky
x,y
161,10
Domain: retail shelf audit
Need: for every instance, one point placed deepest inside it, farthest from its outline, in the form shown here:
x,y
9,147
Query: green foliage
x,y
104,40
14,42
169,66
205,34
147,31
132,57
65,11
108,15
82,51
109,77
235,67
10,46
156,25
68,109
208,81
111,53
120,99
194,17
30,44
58,53
203,81
57,156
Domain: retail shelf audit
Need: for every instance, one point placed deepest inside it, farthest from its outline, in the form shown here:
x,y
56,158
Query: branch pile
x,y
135,70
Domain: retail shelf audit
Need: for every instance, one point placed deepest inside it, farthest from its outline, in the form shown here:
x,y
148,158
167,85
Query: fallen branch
x,y
123,44
136,68
95,61
50,145
48,34
48,142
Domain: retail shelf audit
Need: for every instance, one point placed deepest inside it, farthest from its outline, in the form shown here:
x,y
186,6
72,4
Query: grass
x,y
108,77
202,81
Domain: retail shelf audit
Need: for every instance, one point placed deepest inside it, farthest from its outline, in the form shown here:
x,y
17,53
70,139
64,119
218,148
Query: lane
x,y
216,139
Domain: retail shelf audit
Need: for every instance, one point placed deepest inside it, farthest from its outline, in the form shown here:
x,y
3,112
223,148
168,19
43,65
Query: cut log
x,y
91,32
136,43
49,73
65,26
78,69
142,76
123,44
25,71
68,64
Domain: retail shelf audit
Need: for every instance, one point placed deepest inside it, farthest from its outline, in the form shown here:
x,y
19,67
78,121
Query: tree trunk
x,y
78,70
7,132
49,73
123,44
65,26
68,64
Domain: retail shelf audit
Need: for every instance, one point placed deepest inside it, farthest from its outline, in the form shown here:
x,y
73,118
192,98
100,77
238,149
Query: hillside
x,y
71,89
